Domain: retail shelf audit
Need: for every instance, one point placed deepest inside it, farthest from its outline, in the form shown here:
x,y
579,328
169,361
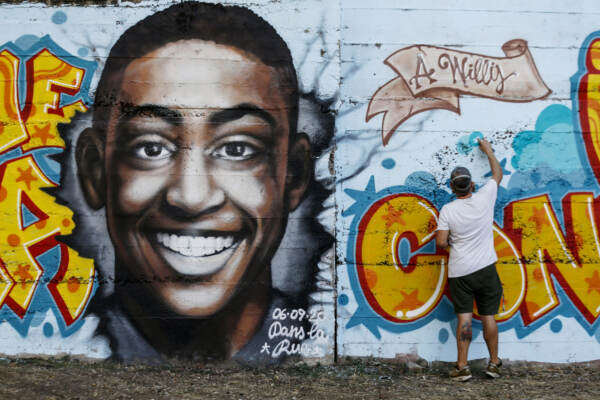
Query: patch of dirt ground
x,y
357,379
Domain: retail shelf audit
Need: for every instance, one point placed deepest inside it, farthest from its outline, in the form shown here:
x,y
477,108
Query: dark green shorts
x,y
484,286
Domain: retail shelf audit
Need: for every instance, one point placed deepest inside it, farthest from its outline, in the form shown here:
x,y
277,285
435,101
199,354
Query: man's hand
x,y
486,148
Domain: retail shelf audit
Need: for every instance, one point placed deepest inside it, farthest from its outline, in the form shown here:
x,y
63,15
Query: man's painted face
x,y
195,169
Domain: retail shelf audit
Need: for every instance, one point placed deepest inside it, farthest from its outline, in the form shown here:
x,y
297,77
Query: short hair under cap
x,y
460,180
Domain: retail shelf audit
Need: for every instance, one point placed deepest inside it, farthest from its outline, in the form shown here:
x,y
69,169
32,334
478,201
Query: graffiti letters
x,y
32,219
396,257
589,102
393,261
431,77
289,335
475,69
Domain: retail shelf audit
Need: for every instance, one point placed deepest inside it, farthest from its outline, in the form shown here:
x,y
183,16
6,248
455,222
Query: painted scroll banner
x,y
431,77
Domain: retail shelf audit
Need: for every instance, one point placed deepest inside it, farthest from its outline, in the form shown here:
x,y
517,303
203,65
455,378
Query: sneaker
x,y
460,375
493,370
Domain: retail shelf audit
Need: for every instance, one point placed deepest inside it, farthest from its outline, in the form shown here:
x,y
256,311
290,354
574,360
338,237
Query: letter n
x,y
547,253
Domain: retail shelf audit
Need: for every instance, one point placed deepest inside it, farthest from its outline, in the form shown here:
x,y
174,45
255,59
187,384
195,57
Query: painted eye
x,y
151,151
235,151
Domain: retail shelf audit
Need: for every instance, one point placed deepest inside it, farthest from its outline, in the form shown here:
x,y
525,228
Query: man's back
x,y
470,222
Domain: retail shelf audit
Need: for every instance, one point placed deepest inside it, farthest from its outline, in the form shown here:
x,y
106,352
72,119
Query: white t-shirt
x,y
470,222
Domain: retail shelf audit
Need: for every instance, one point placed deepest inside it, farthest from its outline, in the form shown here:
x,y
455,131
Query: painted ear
x,y
89,156
299,169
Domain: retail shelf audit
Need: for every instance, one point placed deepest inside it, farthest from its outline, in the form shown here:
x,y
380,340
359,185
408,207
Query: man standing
x,y
465,225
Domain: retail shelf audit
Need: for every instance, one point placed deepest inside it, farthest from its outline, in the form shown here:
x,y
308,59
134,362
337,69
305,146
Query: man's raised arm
x,y
486,148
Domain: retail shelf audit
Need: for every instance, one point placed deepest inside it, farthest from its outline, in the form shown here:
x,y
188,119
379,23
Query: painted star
x,y
23,273
393,215
43,133
410,301
265,348
26,176
503,166
539,217
593,282
362,198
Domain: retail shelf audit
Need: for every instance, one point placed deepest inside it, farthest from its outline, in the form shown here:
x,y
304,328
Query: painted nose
x,y
193,190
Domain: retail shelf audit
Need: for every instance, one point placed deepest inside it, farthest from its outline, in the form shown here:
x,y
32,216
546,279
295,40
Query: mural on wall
x,y
42,86
198,163
170,186
194,156
546,218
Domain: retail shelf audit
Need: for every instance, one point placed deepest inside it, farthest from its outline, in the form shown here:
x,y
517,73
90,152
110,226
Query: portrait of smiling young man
x,y
195,156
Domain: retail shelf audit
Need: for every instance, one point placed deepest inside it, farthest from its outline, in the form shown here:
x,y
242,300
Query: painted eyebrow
x,y
239,111
130,111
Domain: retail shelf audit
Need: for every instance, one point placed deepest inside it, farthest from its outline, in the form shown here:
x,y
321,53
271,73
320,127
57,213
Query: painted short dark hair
x,y
460,181
225,25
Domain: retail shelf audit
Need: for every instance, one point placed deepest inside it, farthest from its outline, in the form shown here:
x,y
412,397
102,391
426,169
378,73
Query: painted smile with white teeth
x,y
195,246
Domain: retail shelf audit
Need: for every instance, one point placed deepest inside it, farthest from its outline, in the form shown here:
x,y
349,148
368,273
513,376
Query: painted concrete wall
x,y
263,182
392,297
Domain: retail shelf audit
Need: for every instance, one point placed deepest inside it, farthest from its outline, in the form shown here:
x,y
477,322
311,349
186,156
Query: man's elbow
x,y
443,243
